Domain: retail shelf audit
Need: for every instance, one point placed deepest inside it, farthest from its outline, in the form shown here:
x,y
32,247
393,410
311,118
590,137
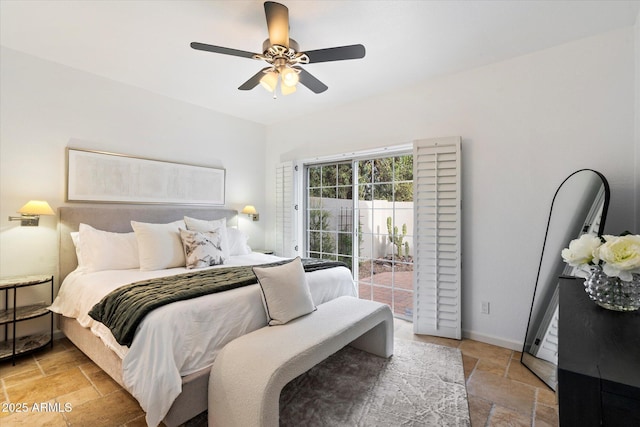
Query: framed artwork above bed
x,y
96,176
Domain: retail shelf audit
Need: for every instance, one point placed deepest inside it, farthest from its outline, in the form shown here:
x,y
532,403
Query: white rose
x,y
621,256
580,251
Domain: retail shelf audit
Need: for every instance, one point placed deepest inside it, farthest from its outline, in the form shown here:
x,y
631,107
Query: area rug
x,y
420,385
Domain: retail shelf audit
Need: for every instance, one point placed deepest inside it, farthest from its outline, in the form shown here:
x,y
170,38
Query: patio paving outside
x,y
390,287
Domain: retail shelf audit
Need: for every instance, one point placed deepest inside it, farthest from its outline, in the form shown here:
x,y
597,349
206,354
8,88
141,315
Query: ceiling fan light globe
x,y
289,77
287,90
269,81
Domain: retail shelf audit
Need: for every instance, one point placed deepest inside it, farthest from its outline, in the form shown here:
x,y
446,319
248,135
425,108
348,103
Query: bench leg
x,y
378,340
245,393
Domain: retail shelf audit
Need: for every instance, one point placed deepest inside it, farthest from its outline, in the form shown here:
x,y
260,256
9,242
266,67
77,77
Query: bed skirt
x,y
191,402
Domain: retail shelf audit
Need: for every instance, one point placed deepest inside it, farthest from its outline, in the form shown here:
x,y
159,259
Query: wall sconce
x,y
30,213
251,212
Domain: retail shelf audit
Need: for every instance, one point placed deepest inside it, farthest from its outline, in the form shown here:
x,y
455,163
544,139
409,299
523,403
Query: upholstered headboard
x,y
117,218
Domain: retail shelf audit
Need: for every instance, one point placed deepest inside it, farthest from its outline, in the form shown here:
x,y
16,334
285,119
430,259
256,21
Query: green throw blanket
x,y
123,309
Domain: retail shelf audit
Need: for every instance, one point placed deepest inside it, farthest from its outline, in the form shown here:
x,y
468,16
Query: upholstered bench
x,y
249,373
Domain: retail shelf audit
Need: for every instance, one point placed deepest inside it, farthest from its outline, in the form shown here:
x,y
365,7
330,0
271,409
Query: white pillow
x,y
285,291
202,249
159,245
237,242
99,250
211,225
75,238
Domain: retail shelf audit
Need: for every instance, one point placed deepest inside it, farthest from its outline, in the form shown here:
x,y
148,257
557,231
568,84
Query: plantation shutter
x,y
285,241
437,255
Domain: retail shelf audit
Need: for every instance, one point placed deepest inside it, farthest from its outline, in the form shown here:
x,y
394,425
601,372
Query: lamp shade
x,y
36,207
269,81
289,77
287,90
249,210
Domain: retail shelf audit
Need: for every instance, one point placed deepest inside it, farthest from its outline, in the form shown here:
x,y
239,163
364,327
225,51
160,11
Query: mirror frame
x,y
607,195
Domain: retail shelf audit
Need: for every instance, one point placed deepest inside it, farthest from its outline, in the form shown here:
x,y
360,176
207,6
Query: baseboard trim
x,y
489,339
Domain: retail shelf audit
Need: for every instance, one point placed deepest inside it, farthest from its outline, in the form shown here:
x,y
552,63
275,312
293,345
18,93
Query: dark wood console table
x,y
598,361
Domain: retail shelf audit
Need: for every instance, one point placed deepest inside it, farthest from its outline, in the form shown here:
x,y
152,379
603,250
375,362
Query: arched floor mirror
x,y
579,206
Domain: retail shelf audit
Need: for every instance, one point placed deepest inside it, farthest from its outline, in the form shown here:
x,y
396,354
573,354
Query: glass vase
x,y
611,292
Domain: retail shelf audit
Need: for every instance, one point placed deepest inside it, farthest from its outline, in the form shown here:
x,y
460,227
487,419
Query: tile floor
x,y
501,391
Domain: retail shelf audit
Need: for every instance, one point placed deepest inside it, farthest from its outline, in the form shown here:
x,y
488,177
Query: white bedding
x,y
183,337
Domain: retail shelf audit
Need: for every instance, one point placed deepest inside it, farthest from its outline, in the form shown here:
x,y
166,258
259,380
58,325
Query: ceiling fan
x,y
284,56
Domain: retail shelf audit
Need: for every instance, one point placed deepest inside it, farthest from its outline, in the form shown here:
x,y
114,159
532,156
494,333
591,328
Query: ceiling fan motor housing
x,y
275,54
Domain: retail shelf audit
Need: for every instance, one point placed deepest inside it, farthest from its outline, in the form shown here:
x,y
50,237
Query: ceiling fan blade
x,y
254,80
277,23
222,50
315,85
354,51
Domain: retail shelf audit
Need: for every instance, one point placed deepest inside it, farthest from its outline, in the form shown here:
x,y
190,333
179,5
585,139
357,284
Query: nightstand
x,y
598,361
9,349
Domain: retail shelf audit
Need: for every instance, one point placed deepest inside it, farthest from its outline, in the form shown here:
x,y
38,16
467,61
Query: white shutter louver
x,y
285,242
437,253
548,349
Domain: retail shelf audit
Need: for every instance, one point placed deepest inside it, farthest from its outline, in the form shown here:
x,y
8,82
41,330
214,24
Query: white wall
x,y
43,105
526,124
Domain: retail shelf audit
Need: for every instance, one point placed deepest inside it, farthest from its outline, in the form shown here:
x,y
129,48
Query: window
x,y
330,212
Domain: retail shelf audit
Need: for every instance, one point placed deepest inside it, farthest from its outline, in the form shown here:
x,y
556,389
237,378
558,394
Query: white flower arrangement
x,y
619,256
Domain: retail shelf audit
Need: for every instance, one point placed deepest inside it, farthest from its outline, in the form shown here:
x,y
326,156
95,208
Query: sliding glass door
x,y
330,216
385,209
361,212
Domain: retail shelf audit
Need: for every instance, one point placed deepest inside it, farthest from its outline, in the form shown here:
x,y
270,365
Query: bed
x,y
166,367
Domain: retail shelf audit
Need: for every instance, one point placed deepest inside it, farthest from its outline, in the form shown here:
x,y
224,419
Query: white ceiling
x,y
145,43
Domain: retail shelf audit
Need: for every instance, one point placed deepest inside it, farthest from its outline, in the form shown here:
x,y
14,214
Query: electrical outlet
x,y
485,307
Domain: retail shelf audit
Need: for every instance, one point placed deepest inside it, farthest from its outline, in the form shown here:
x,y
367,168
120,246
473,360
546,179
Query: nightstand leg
x,y
51,314
6,307
15,311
